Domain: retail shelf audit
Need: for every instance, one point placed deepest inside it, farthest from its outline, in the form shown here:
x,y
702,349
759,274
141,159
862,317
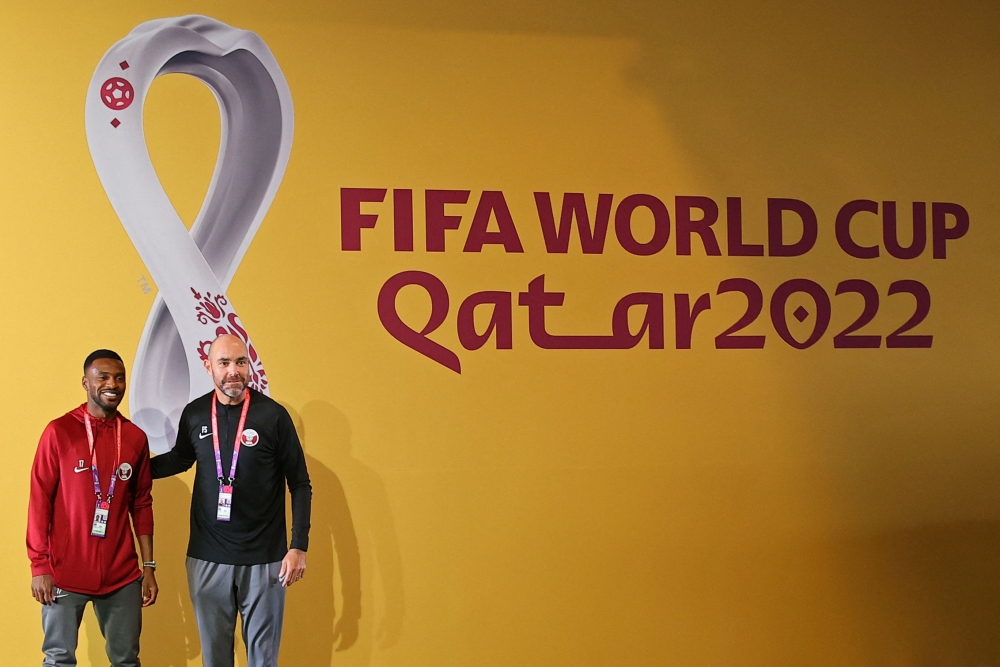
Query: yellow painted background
x,y
701,507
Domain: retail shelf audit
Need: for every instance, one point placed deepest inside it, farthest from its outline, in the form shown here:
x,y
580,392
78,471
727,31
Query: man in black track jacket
x,y
247,450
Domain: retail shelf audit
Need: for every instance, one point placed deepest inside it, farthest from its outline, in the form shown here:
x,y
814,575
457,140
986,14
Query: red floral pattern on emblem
x,y
213,309
210,308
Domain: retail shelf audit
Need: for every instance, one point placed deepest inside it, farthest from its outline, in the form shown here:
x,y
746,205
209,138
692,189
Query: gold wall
x,y
559,507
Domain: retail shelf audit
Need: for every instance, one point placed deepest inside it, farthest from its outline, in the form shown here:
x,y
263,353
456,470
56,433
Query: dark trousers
x,y
119,615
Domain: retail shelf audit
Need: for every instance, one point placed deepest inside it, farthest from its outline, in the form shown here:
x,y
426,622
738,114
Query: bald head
x,y
227,345
229,364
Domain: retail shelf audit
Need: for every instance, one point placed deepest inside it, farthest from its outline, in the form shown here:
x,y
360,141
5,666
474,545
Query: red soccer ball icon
x,y
117,93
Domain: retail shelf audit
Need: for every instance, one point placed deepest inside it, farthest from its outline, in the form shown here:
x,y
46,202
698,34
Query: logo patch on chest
x,y
250,438
124,472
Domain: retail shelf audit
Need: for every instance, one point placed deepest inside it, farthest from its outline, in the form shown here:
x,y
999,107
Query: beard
x,y
103,402
231,390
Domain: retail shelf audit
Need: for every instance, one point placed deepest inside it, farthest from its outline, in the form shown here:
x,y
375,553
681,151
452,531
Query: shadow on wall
x,y
920,596
352,533
934,595
779,94
356,545
928,596
169,633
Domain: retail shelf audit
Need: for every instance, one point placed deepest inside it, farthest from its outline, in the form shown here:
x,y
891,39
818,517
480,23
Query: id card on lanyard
x,y
99,528
224,509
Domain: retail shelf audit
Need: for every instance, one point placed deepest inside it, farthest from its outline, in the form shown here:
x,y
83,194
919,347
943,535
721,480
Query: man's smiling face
x,y
105,383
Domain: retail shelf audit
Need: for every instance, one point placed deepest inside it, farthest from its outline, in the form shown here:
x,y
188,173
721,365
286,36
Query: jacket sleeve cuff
x,y
302,544
38,569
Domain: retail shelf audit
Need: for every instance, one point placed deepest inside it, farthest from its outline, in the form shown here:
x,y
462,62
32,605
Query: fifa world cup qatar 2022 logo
x,y
191,269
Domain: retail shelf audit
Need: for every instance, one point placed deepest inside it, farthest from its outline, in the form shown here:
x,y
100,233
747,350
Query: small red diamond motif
x,y
801,314
123,64
115,122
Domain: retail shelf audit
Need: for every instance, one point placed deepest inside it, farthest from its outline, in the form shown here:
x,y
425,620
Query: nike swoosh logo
x,y
202,436
81,469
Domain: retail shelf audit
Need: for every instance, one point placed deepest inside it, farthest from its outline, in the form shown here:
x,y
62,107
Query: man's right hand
x,y
42,589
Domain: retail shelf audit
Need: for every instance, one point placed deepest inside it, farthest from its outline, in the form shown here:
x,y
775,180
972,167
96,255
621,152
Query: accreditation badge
x,y
100,526
225,509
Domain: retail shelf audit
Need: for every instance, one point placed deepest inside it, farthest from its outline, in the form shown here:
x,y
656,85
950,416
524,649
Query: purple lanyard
x,y
236,446
93,456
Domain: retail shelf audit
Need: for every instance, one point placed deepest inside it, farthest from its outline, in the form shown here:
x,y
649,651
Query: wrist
x,y
149,565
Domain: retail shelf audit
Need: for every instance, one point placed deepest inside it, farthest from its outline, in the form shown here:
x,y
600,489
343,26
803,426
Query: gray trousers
x,y
119,615
218,592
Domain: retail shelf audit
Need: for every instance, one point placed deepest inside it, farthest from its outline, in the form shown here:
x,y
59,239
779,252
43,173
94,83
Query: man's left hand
x,y
149,587
293,567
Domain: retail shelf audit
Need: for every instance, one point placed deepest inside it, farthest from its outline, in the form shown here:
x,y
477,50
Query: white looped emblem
x,y
191,270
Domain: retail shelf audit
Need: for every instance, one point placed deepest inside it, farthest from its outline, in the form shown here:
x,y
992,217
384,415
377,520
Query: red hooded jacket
x,y
62,502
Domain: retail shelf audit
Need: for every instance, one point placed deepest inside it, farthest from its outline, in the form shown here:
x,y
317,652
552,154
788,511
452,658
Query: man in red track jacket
x,y
91,473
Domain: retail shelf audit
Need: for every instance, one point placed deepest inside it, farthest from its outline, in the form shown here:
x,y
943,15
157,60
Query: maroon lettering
x,y
890,233
352,220
492,204
778,315
940,211
776,246
574,205
413,339
702,226
623,224
843,228
402,220
685,316
536,299
437,221
922,295
734,232
847,338
501,321
728,340
652,321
